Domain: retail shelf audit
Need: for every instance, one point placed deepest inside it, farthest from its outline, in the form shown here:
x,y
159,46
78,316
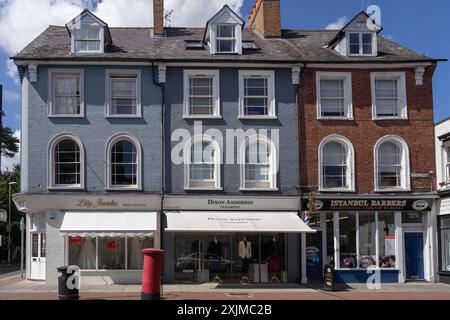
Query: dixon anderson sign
x,y
373,205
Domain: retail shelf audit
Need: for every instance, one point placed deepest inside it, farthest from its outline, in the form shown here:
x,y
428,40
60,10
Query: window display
x,y
111,253
445,243
230,258
83,252
386,239
367,246
347,240
135,256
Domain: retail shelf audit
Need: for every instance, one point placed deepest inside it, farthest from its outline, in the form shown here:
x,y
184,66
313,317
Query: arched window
x,y
202,169
124,162
336,164
66,162
259,164
391,164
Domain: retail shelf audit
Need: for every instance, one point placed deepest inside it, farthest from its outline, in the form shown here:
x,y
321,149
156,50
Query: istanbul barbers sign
x,y
373,205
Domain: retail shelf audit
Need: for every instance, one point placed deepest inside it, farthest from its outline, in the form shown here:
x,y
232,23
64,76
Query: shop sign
x,y
373,205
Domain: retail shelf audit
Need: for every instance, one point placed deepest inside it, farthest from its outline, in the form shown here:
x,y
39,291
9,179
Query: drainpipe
x,y
163,177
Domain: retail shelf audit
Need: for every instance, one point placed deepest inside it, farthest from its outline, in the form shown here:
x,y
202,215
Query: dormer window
x,y
88,40
88,34
361,43
226,38
223,33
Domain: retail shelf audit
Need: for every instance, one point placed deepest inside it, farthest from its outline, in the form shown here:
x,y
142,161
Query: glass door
x,y
38,256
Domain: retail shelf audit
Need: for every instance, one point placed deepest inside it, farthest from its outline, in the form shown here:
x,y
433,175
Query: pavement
x,y
14,288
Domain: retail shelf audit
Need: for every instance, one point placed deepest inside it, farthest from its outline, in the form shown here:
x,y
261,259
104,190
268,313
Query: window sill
x,y
203,189
337,190
257,189
257,117
123,189
124,116
193,117
75,116
66,188
388,118
337,118
393,190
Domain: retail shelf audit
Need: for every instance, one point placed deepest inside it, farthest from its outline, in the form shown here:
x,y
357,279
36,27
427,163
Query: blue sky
x,y
417,24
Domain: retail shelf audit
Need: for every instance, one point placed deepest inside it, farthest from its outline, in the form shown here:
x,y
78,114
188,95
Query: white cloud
x,y
9,163
11,96
16,32
338,24
11,71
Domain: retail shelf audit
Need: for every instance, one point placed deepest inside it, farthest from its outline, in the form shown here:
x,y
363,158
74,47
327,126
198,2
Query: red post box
x,y
151,276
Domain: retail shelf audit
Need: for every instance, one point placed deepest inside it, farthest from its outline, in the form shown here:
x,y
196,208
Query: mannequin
x,y
274,264
215,253
245,253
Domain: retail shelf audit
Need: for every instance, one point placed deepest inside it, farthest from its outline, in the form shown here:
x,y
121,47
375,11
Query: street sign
x,y
3,215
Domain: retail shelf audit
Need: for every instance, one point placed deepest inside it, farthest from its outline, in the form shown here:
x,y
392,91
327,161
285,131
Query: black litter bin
x,y
64,293
328,275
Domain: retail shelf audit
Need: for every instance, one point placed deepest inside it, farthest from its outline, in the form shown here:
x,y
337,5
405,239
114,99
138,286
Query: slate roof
x,y
137,44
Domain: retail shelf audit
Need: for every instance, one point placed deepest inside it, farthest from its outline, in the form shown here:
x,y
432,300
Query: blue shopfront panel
x,y
361,276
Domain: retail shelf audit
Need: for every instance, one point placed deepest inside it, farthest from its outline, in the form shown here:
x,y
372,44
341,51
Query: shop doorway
x,y
38,256
414,262
314,256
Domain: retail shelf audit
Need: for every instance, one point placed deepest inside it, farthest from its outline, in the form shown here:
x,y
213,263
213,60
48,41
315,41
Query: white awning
x,y
226,221
109,224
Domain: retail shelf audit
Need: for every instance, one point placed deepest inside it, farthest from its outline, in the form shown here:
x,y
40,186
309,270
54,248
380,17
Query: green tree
x,y
5,179
10,143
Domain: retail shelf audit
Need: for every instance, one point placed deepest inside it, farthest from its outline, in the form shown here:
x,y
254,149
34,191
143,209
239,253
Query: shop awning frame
x,y
236,221
109,224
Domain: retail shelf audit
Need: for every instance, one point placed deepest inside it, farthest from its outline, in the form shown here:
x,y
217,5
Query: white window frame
x,y
187,151
348,96
51,185
350,163
271,106
361,54
237,38
51,94
123,73
215,74
401,89
337,251
405,175
446,163
109,145
102,40
273,160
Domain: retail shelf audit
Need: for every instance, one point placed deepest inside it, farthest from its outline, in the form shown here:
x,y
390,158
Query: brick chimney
x,y
265,18
158,18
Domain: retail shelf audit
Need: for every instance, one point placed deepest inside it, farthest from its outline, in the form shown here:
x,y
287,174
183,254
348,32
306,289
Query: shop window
x,y
135,247
108,252
330,238
444,234
111,253
347,240
83,252
386,239
367,244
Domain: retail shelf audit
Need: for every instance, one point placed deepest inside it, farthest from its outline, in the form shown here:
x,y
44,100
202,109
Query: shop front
x,y
444,238
235,243
101,235
388,239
